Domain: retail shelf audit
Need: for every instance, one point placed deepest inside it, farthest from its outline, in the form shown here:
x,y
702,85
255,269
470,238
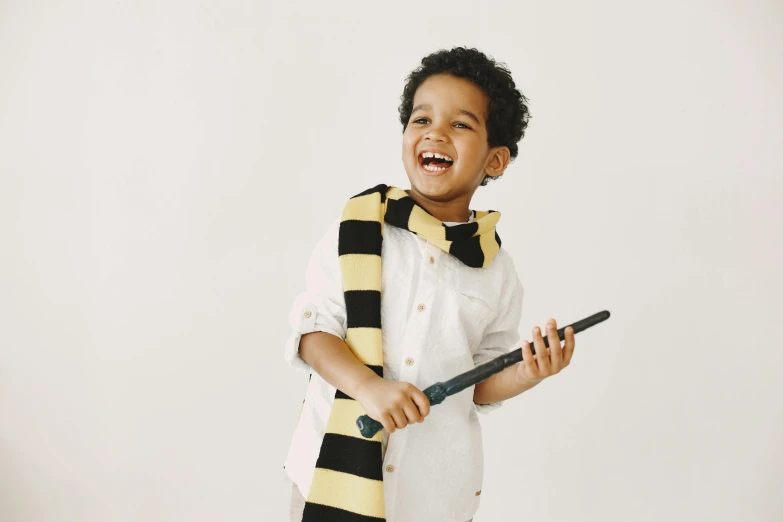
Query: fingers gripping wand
x,y
438,392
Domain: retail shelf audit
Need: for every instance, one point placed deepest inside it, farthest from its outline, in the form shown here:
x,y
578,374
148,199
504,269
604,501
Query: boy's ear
x,y
498,161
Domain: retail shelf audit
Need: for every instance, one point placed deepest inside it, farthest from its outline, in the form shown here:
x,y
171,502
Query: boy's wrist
x,y
363,384
523,380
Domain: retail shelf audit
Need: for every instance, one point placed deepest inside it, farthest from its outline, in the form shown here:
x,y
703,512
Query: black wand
x,y
438,392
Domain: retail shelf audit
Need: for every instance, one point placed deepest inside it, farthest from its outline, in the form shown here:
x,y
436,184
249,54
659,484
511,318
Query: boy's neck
x,y
455,211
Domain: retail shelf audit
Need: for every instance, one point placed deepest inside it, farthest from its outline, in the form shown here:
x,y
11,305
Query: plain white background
x,y
168,166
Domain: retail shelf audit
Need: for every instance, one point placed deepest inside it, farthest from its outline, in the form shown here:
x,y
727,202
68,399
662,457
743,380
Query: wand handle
x,y
368,426
440,390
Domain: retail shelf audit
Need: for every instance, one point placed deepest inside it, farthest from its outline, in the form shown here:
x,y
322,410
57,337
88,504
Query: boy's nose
x,y
435,133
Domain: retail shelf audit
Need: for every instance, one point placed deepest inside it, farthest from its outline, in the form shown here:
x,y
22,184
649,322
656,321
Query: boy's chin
x,y
432,188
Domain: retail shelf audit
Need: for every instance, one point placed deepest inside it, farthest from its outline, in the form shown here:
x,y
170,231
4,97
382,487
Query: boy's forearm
x,y
333,360
501,386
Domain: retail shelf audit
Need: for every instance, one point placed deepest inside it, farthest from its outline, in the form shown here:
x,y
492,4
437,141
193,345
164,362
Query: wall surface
x,y
166,168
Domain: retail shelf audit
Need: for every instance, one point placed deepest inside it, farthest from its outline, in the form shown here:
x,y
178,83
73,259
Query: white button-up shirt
x,y
439,318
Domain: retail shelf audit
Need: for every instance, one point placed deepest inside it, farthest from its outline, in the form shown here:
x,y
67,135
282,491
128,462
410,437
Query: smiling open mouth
x,y
434,162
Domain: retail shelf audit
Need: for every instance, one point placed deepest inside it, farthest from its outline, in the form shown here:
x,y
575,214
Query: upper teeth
x,y
435,155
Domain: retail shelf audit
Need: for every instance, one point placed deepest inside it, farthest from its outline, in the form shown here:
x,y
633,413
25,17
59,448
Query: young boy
x,y
451,300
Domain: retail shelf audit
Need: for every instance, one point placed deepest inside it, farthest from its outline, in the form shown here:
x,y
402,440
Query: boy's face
x,y
449,119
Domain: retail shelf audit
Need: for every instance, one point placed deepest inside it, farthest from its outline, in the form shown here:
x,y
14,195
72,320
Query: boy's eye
x,y
459,124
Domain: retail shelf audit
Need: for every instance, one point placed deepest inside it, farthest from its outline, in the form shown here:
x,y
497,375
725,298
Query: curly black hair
x,y
508,113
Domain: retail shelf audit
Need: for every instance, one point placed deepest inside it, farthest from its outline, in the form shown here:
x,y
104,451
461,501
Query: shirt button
x,y
307,314
432,260
390,468
420,308
409,361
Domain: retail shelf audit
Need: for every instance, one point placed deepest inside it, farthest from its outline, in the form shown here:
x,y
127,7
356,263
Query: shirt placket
x,y
414,337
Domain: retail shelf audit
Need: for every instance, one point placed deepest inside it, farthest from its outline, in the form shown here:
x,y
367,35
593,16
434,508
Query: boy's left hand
x,y
546,362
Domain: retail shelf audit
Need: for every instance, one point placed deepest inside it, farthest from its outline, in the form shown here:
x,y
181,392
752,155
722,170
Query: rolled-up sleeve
x,y
321,307
502,334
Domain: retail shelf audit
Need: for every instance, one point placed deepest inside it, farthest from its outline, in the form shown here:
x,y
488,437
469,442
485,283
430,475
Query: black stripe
x,y
468,251
398,212
497,238
360,457
381,189
363,308
461,232
320,513
378,371
360,237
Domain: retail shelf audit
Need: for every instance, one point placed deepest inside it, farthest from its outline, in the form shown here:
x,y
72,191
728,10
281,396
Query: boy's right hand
x,y
394,404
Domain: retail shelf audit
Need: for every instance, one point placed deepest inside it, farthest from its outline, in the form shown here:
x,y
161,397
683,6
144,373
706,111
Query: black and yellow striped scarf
x,y
347,484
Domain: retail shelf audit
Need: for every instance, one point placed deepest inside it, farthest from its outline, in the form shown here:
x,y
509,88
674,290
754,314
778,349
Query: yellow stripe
x,y
396,193
361,271
489,246
487,223
364,208
366,344
349,492
342,420
425,225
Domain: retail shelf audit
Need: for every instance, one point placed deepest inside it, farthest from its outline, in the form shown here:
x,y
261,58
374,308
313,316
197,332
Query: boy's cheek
x,y
407,147
408,156
409,139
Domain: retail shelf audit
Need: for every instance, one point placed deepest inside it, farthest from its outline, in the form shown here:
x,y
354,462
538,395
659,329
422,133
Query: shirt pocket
x,y
471,312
